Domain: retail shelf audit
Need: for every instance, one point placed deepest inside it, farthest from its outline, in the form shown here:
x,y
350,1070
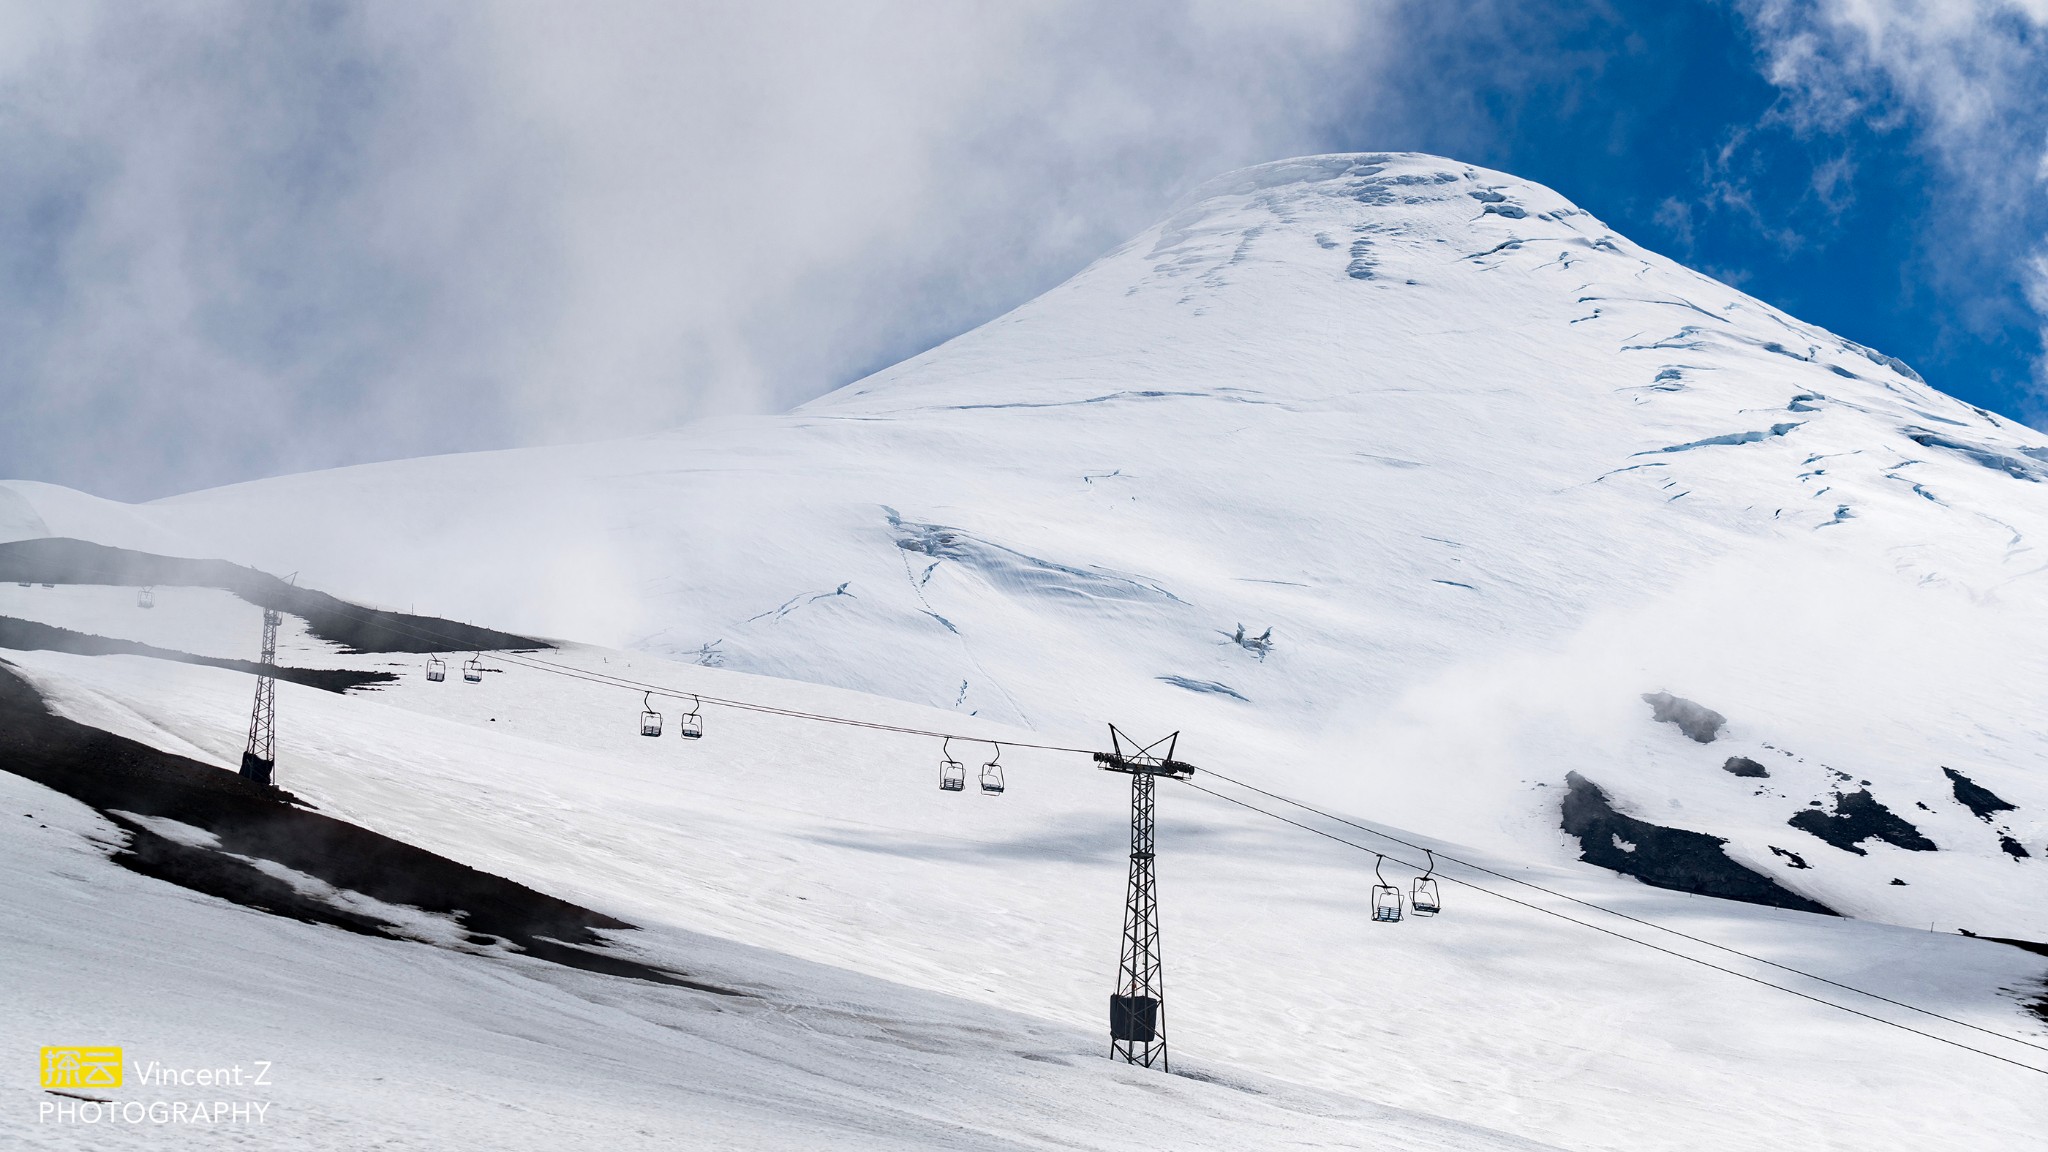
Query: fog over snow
x,y
1401,487
1587,457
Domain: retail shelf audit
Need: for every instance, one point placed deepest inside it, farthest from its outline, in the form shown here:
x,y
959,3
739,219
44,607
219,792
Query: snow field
x,y
835,847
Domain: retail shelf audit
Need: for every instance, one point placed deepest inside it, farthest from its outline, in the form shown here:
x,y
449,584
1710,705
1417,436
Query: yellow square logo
x,y
81,1067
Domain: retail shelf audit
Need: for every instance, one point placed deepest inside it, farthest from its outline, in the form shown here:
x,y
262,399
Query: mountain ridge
x,y
1485,470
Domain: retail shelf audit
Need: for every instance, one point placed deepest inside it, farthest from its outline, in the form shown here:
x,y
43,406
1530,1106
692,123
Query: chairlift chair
x,y
437,669
650,720
691,726
992,774
1386,899
1425,899
145,598
952,773
473,669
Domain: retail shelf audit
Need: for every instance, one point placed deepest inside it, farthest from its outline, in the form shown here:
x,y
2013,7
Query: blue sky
x,y
1659,118
238,240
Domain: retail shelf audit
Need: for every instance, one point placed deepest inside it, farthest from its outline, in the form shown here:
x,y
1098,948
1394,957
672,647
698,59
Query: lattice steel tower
x,y
1137,1008
260,761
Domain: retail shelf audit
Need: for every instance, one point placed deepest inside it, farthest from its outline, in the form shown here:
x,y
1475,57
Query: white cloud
x,y
1970,77
246,238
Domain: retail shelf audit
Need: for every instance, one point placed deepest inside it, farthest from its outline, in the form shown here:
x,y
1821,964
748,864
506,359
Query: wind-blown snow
x,y
1487,470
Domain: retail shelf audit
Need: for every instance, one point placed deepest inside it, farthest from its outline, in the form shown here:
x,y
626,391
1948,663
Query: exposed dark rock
x,y
1744,766
2034,946
1797,861
59,560
2013,848
2038,1006
1857,817
1699,722
30,636
1666,857
1976,797
124,779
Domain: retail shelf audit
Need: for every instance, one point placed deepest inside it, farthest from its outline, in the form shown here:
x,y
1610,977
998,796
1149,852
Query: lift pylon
x,y
259,761
1137,1008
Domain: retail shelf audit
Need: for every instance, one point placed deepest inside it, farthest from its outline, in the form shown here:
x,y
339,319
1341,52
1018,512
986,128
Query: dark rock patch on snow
x,y
2012,847
1976,797
1666,857
1695,720
58,560
1793,859
1857,817
1744,766
2038,1006
131,783
30,636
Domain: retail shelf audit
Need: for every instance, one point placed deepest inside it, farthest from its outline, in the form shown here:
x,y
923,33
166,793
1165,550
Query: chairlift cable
x,y
540,665
607,679
1669,951
1584,903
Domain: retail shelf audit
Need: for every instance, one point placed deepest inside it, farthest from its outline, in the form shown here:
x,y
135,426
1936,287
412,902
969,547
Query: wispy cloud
x,y
1968,79
239,239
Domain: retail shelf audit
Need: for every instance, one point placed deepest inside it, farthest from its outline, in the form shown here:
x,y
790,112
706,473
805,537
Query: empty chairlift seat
x,y
691,725
650,720
473,670
952,773
1386,899
992,774
1386,903
145,598
437,669
1425,899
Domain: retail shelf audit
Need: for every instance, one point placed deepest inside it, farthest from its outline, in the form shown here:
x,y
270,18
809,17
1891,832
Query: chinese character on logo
x,y
81,1067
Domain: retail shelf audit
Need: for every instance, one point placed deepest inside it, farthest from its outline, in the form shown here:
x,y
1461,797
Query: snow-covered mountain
x,y
1398,485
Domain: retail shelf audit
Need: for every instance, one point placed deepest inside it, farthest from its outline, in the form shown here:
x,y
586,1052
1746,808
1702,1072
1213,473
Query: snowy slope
x,y
1489,473
1487,470
394,1045
769,848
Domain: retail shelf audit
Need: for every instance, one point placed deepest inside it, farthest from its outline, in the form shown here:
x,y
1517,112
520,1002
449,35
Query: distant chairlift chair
x,y
473,669
691,726
650,720
992,774
1425,899
437,669
145,598
952,773
1386,899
